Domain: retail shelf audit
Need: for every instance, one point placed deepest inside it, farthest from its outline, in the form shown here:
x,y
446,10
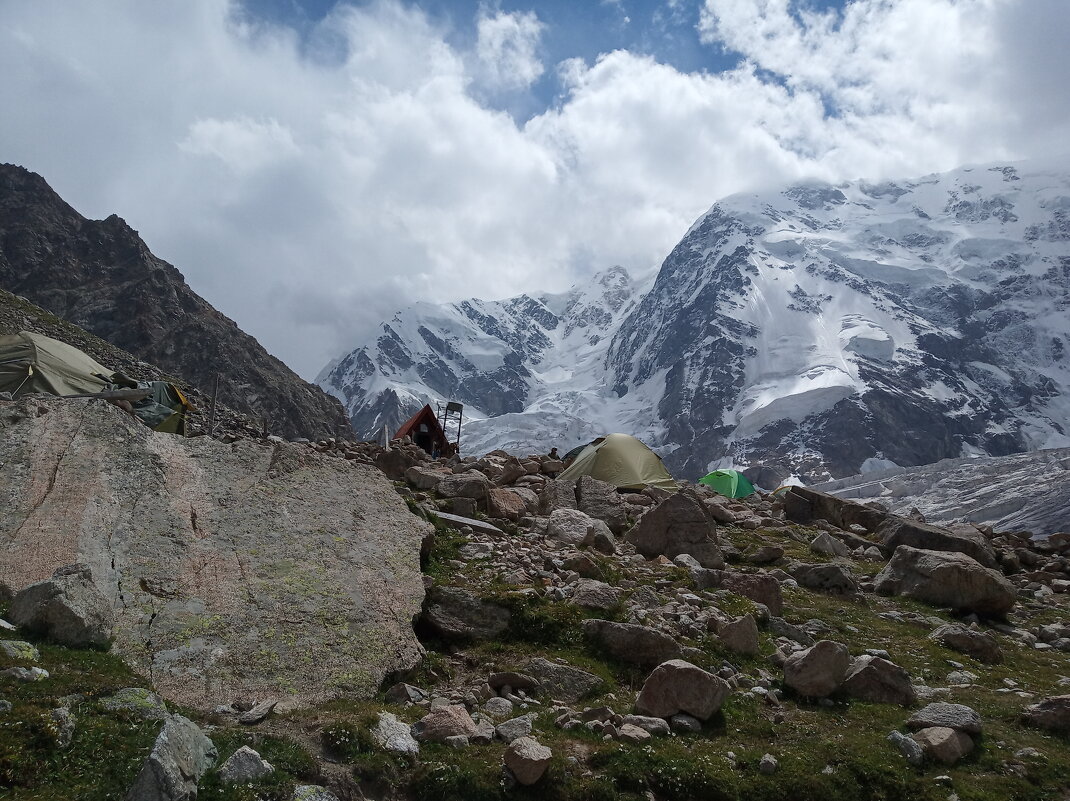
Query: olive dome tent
x,y
623,461
730,483
31,362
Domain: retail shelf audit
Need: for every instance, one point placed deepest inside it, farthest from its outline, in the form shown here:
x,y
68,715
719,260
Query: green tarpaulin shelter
x,y
730,483
623,461
31,362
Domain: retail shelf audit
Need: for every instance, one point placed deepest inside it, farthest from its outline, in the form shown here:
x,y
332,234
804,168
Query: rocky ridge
x,y
101,276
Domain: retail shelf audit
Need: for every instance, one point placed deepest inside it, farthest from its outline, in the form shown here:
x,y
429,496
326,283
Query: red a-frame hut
x,y
426,432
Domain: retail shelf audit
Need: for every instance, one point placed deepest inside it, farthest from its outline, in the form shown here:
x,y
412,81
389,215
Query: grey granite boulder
x,y
871,678
629,642
563,682
946,579
243,570
67,608
819,670
681,524
601,501
527,760
1052,714
951,716
394,735
244,765
678,686
981,645
178,760
456,615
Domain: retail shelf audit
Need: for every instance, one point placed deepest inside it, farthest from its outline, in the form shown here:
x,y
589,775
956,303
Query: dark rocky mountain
x,y
100,275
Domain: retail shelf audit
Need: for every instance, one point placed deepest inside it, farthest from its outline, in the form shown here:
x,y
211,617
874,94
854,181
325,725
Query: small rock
x,y
498,707
64,721
257,713
910,748
25,674
767,765
527,760
944,744
244,765
510,730
394,735
457,741
633,734
312,792
444,722
1052,714
22,651
685,724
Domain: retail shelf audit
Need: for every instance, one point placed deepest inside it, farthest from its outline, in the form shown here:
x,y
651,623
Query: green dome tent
x,y
623,461
730,483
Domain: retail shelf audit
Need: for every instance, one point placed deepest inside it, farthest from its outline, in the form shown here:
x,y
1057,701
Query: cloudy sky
x,y
313,165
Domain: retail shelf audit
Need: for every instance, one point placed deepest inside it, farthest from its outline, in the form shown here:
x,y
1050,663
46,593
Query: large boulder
x,y
179,758
758,587
558,494
456,615
1052,714
946,579
527,760
871,678
252,569
828,577
601,501
678,686
680,524
594,594
446,721
573,527
952,716
804,505
563,682
67,608
944,744
469,484
981,645
896,531
819,670
630,642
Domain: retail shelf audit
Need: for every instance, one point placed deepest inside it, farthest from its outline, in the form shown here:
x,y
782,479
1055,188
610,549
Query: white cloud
x,y
507,48
241,143
365,170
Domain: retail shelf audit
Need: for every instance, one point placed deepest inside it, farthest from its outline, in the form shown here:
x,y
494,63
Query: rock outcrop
x,y
233,570
85,270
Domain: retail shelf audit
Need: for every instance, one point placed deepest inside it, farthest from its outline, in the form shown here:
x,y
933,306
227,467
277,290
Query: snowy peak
x,y
814,331
493,356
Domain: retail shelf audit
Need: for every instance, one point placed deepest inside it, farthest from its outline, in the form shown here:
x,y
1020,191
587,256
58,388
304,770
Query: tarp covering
x,y
32,362
623,461
730,483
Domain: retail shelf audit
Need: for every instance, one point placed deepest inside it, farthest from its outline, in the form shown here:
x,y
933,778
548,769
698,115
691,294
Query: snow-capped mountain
x,y
528,369
821,331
